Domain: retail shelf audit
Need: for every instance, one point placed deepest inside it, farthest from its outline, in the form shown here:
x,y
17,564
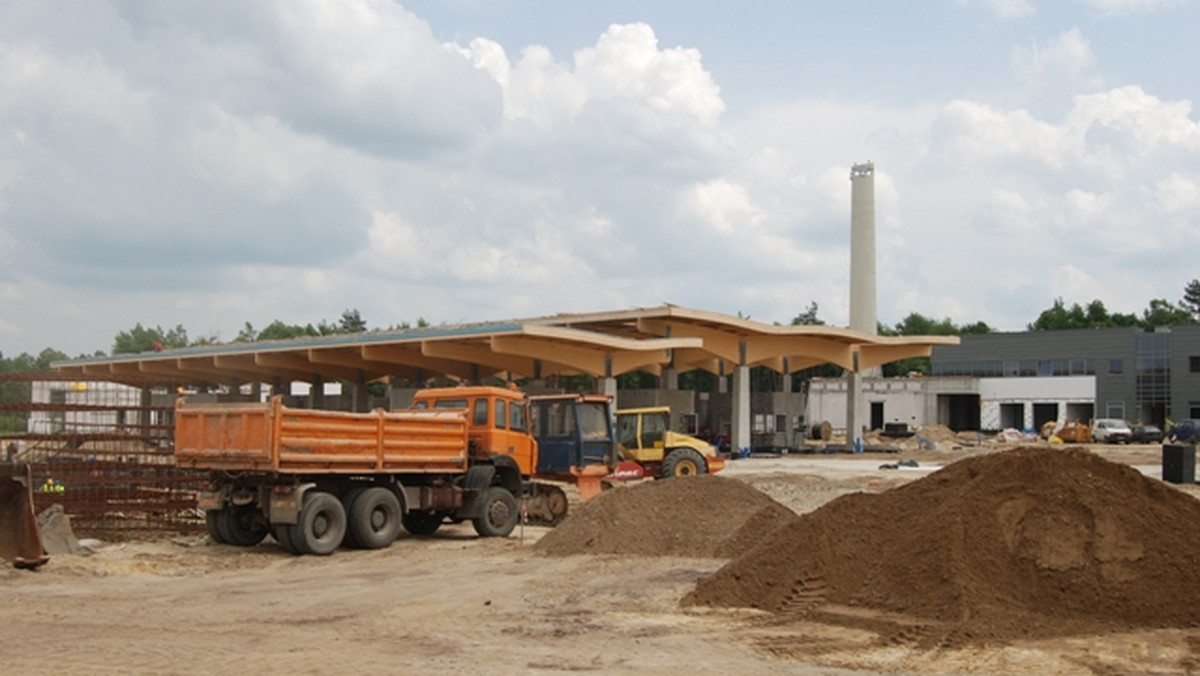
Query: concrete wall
x,y
1073,396
904,400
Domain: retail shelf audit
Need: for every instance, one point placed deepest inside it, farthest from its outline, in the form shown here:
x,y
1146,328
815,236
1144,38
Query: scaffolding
x,y
102,449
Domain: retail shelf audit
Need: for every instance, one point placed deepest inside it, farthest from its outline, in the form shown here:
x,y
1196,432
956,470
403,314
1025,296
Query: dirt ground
x,y
460,604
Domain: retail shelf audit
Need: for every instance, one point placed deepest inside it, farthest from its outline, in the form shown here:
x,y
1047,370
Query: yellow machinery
x,y
648,448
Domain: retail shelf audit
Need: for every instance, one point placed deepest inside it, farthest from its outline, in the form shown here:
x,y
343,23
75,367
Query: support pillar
x,y
316,393
855,407
739,433
608,384
358,394
670,379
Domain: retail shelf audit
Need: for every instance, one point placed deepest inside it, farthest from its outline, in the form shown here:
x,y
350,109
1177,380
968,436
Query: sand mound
x,y
1035,542
702,516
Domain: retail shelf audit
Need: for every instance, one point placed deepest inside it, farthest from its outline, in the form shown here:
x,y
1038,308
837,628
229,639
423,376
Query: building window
x,y
1194,364
1045,368
1116,365
1115,409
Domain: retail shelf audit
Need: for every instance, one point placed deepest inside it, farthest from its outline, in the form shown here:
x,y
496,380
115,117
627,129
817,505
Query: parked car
x,y
1186,430
1146,434
1111,431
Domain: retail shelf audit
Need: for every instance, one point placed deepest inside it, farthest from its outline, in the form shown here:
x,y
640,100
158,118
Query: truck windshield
x,y
593,420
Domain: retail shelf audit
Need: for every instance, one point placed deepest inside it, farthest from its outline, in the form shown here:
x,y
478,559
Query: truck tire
x,y
211,517
422,523
282,532
348,499
499,514
683,462
321,526
374,518
241,526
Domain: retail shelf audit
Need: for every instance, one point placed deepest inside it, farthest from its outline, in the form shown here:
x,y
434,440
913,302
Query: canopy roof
x,y
597,344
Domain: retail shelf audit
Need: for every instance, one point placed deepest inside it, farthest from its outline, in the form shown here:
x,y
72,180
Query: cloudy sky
x,y
213,162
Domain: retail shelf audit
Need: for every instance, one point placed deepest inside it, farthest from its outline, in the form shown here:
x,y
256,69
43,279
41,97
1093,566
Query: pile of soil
x,y
1034,542
702,516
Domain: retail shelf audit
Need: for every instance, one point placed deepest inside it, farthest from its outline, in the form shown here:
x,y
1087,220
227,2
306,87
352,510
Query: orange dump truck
x,y
313,479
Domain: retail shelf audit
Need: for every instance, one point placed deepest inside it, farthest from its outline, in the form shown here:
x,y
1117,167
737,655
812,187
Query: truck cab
x,y
498,421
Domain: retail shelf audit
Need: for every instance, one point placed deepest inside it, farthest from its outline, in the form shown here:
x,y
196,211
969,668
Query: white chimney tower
x,y
862,287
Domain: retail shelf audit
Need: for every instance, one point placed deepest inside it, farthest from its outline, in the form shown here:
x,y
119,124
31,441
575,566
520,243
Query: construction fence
x,y
102,450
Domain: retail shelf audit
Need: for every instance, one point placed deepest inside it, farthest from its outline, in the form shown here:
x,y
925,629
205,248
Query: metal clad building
x,y
1139,376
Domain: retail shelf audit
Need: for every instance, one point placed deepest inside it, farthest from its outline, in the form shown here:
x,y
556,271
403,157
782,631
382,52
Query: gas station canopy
x,y
601,344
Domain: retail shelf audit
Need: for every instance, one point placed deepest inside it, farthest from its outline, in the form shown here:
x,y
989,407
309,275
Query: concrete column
x,y
608,384
856,413
739,433
316,394
670,379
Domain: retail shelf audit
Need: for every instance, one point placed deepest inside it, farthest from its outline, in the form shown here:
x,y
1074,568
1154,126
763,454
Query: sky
x,y
210,163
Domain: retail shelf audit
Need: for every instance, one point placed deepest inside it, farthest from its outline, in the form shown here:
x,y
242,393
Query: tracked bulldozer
x,y
20,542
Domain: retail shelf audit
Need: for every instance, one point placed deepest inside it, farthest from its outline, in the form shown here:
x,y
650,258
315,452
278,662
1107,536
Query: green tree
x,y
352,322
1191,299
917,324
1163,312
277,330
1095,315
142,339
808,317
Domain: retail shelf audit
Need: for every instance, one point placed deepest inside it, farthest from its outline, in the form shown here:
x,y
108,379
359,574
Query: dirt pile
x,y
702,516
1033,542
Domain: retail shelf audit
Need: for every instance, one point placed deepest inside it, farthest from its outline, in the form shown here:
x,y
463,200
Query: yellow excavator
x,y
20,542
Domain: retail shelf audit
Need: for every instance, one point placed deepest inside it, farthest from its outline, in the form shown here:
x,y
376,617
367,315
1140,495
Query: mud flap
x,y
19,539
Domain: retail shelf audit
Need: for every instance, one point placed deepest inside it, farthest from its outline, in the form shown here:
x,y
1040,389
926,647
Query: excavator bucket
x,y
20,542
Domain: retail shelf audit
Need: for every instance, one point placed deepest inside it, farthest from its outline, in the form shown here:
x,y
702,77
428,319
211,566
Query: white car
x,y
1111,431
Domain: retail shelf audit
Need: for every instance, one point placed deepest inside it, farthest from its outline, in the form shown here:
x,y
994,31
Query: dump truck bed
x,y
276,439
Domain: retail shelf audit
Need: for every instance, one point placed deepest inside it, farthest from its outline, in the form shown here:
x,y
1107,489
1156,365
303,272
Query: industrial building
x,y
998,381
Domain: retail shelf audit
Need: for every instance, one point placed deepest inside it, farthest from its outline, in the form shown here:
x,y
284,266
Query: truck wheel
x,y
500,514
348,499
282,532
321,526
374,518
422,523
211,517
243,526
683,462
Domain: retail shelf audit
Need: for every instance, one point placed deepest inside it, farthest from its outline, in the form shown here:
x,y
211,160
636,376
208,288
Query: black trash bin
x,y
1179,463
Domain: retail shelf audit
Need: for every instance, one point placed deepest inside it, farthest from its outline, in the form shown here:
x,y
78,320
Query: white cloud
x,y
1006,9
208,165
1122,7
624,65
1068,58
1177,194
